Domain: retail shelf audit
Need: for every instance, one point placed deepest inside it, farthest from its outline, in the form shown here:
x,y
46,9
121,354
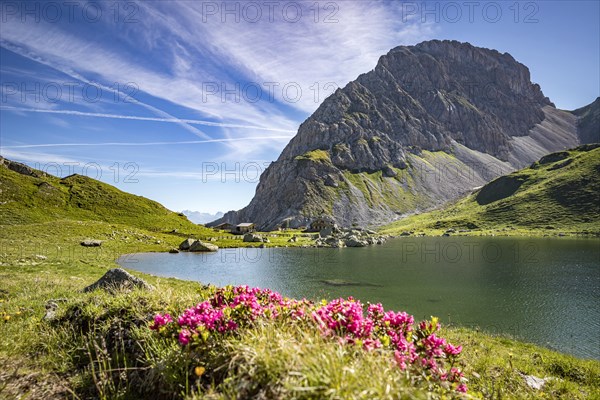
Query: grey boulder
x,y
252,238
186,244
118,279
326,232
91,243
199,246
334,242
353,241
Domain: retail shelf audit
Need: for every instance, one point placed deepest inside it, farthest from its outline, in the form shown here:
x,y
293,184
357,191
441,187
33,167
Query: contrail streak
x,y
75,75
225,140
138,118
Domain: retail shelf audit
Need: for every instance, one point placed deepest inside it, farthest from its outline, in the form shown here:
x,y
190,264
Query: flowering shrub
x,y
416,347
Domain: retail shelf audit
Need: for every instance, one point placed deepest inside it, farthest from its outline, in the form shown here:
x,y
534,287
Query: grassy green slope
x,y
559,193
35,199
99,210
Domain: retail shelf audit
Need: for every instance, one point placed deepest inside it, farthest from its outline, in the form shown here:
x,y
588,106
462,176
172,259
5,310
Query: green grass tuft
x,y
316,156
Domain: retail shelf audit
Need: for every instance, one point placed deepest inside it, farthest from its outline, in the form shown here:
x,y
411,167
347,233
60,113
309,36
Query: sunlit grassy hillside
x,y
560,193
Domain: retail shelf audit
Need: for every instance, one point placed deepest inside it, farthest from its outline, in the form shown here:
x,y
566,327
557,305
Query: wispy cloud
x,y
315,53
32,55
36,157
314,57
67,53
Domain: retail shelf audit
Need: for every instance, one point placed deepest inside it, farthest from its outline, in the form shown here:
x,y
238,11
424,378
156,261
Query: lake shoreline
x,y
535,234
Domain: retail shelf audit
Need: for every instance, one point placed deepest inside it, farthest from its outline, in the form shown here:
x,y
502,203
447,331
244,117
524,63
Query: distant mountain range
x,y
198,217
429,124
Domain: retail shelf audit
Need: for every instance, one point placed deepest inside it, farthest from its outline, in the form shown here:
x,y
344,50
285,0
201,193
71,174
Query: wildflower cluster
x,y
226,311
416,347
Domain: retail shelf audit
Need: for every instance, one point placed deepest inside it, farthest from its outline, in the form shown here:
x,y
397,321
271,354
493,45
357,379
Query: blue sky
x,y
187,102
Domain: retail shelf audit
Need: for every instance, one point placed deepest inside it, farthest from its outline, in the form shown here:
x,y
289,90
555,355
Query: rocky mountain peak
x,y
360,156
425,96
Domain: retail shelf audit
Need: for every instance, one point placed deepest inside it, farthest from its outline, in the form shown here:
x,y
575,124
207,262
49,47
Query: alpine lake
x,y
540,290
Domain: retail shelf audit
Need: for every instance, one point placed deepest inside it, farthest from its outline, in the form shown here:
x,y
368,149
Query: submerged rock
x,y
341,282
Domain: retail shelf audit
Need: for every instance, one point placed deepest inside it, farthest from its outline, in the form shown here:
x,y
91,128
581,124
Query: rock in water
x,y
334,242
353,241
199,246
118,279
186,244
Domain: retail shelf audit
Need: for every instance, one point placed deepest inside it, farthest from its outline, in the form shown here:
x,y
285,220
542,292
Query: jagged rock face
x,y
368,153
589,122
424,96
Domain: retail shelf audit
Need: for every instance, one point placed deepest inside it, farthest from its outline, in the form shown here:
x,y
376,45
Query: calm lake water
x,y
545,291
